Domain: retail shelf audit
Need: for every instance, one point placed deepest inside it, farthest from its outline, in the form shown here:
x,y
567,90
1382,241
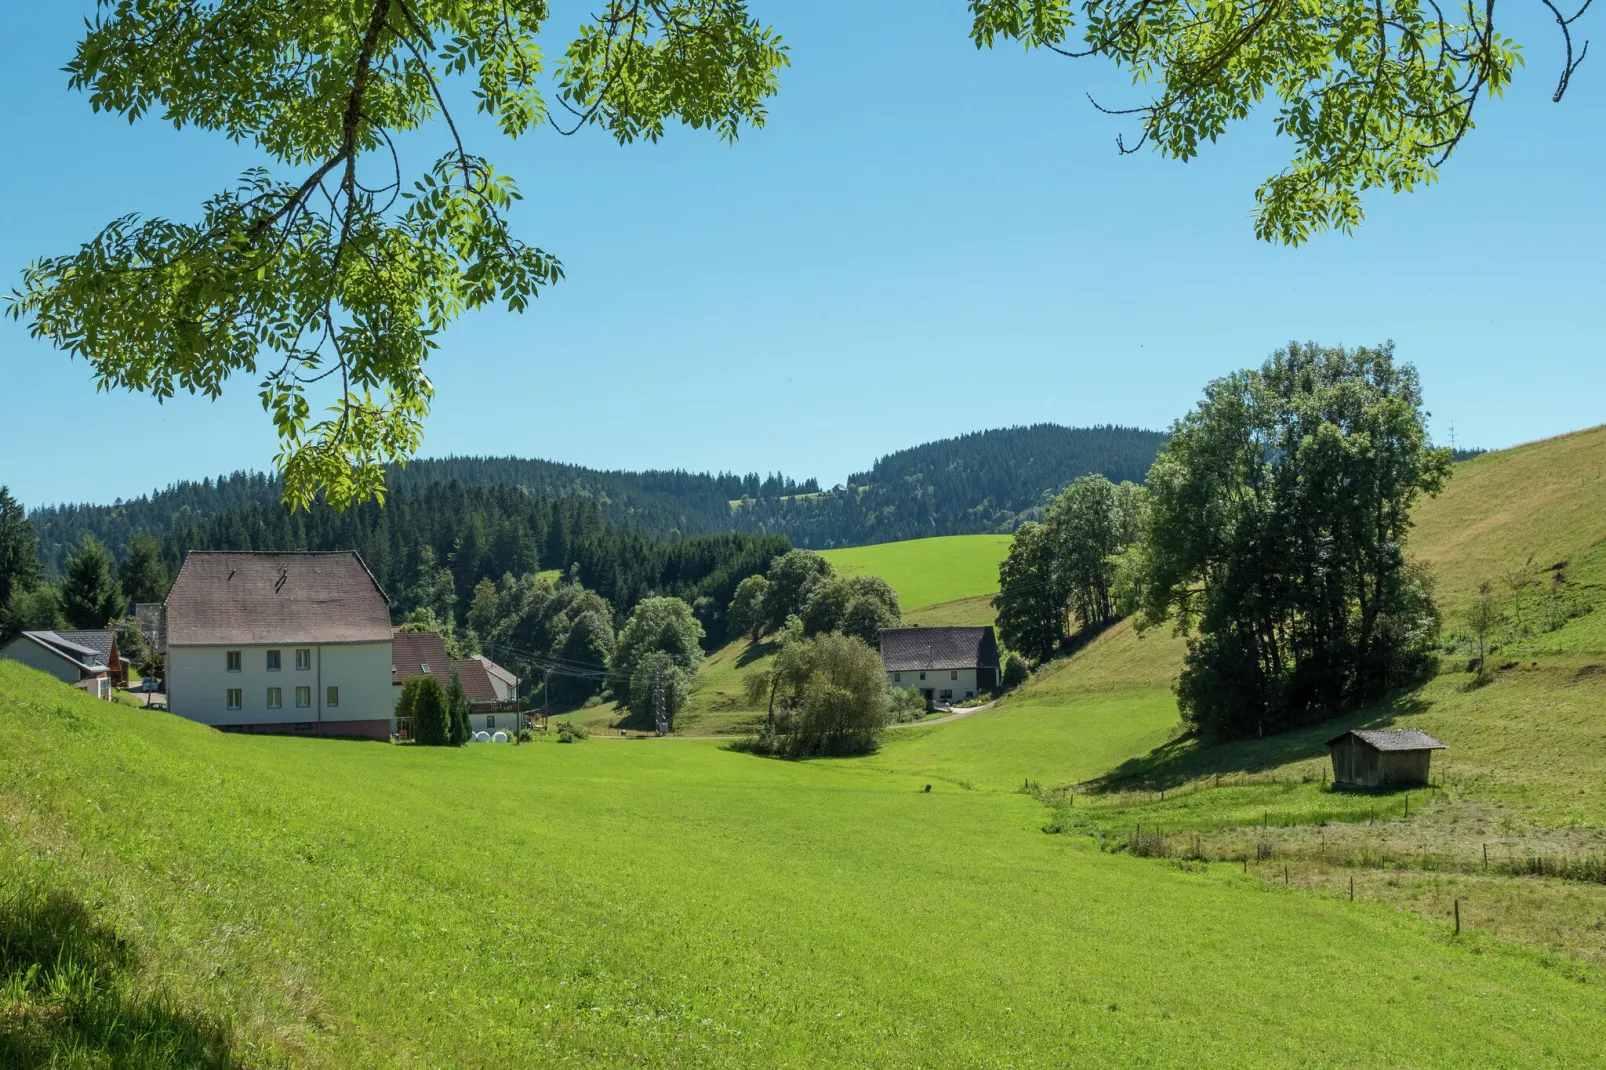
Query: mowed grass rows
x,y
670,903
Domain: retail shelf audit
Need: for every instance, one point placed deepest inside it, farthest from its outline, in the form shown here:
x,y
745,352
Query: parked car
x,y
149,684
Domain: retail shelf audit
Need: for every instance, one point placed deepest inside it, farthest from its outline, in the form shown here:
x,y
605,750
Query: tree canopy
x,y
1276,529
1375,94
329,274
90,595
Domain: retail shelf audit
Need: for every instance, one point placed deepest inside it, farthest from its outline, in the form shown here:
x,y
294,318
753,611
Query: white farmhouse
x,y
280,642
944,664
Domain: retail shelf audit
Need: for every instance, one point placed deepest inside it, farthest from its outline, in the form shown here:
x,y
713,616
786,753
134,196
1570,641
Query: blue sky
x,y
925,240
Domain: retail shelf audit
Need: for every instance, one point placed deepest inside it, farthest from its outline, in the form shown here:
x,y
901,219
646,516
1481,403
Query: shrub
x,y
1015,671
568,732
905,704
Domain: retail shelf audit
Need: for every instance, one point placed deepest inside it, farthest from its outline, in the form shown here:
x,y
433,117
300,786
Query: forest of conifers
x,y
986,481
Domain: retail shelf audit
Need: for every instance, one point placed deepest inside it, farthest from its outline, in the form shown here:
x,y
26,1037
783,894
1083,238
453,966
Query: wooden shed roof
x,y
1391,739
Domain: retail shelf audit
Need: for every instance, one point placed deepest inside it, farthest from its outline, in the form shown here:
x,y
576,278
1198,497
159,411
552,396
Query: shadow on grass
x,y
755,651
1186,758
68,996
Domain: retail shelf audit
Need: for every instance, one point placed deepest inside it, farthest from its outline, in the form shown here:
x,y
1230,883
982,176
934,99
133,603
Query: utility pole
x,y
658,700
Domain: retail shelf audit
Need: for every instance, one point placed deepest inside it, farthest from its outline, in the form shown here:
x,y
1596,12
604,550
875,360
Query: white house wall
x,y
35,656
962,682
198,681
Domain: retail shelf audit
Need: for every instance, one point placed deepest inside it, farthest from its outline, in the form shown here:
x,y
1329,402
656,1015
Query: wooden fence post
x,y
1352,887
1458,917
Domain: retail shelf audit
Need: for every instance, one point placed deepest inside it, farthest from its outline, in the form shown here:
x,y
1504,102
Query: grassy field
x,y
926,572
670,903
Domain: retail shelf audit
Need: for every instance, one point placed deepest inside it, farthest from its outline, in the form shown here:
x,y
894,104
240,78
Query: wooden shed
x,y
1382,757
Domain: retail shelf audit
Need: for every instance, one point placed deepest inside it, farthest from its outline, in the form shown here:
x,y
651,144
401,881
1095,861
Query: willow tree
x,y
1275,537
328,274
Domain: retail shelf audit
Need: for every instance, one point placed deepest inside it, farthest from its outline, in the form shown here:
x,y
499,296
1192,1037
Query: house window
x,y
234,698
490,722
922,676
332,696
946,696
303,698
423,667
303,659
275,698
232,660
953,674
970,694
273,661
897,677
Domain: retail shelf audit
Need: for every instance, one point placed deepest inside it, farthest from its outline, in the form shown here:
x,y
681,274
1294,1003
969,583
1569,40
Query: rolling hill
x,y
978,483
173,896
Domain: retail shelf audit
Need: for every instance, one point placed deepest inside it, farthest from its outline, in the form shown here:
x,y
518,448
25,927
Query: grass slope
x,y
926,572
674,904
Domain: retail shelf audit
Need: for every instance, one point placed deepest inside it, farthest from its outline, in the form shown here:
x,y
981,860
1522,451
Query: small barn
x,y
1382,757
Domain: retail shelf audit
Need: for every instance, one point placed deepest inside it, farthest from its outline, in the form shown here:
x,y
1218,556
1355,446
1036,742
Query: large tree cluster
x,y
1275,537
1063,570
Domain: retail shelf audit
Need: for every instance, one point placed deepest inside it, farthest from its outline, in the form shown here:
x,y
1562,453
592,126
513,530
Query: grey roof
x,y
226,597
1392,739
411,651
912,649
100,640
81,656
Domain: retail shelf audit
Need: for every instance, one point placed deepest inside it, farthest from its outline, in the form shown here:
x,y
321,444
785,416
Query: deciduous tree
x,y
747,608
1374,94
1276,527
663,625
792,578
329,275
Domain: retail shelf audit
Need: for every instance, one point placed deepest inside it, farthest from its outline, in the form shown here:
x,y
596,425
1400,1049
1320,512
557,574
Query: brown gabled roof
x,y
476,681
1392,739
223,597
411,651
911,649
496,670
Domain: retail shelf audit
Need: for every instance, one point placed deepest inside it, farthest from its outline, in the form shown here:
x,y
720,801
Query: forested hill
x,y
981,482
986,481
665,504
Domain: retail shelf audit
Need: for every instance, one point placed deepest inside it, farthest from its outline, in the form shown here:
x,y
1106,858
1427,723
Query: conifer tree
x,y
90,595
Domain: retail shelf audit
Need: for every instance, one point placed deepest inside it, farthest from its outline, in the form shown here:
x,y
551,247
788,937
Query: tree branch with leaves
x,y
1376,94
329,274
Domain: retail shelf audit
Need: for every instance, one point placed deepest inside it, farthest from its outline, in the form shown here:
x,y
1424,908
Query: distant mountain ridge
x,y
974,483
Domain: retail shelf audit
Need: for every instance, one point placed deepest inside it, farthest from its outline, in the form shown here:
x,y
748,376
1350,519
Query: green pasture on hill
x,y
671,903
926,572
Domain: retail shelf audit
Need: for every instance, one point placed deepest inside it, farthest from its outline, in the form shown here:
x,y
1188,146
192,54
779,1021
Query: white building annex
x,y
279,642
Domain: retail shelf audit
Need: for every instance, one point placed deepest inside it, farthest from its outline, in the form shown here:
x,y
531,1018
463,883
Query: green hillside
x,y
610,903
926,572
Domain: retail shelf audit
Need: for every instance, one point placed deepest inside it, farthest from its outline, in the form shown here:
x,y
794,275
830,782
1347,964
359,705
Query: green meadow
x,y
927,572
1060,880
672,903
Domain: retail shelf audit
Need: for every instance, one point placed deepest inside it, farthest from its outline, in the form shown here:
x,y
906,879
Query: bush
x,y
568,732
1015,671
905,704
